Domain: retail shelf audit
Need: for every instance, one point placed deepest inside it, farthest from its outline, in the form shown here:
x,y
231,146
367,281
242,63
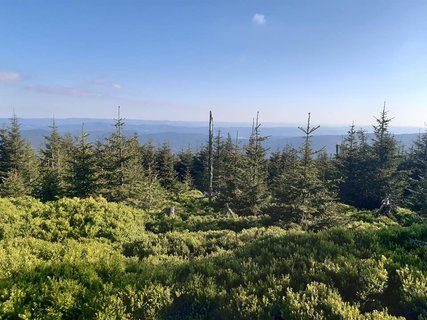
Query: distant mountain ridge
x,y
192,134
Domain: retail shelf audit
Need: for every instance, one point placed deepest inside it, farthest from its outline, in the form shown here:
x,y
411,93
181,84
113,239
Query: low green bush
x,y
90,259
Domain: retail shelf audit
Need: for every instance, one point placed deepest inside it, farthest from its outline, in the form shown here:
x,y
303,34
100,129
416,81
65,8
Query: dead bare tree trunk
x,y
228,208
210,158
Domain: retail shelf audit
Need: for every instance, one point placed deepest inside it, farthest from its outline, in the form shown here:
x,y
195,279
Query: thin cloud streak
x,y
61,90
106,83
9,76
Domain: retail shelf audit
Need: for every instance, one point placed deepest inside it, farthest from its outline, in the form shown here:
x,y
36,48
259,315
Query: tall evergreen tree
x,y
274,167
387,180
353,161
123,176
139,188
252,192
287,199
183,168
17,157
200,169
13,185
299,193
166,168
83,175
347,163
228,167
68,145
218,161
53,167
184,163
370,172
149,162
365,171
31,168
327,168
148,151
416,194
114,157
14,145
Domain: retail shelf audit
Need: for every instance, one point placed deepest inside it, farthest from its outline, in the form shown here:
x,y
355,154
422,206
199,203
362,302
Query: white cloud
x,y
117,85
9,76
258,19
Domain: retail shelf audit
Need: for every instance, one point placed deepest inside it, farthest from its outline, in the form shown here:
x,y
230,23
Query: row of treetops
x,y
298,185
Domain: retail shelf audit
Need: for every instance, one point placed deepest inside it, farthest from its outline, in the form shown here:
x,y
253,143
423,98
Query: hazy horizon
x,y
218,123
43,123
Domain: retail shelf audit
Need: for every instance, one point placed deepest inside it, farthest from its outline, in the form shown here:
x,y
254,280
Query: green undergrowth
x,y
90,259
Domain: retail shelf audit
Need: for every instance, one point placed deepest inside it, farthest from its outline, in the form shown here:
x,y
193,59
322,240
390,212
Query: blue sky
x,y
175,60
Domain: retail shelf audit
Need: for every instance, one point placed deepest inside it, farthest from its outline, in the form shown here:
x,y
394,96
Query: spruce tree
x,y
370,172
139,188
299,193
287,190
15,146
30,171
252,192
274,167
187,182
284,176
219,160
327,168
18,156
13,185
352,161
387,180
183,165
83,172
113,177
364,197
53,168
166,168
416,194
228,167
149,162
68,144
148,151
347,164
122,170
4,155
200,169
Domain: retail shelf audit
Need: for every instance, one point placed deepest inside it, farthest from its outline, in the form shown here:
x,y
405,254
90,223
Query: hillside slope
x,y
90,259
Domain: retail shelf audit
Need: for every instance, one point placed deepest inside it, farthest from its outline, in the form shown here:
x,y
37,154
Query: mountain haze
x,y
192,134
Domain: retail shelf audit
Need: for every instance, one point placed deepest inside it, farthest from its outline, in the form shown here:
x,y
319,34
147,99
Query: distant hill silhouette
x,y
181,135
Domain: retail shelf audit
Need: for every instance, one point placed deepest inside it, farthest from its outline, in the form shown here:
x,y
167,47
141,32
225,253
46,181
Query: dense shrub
x,y
90,259
69,218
